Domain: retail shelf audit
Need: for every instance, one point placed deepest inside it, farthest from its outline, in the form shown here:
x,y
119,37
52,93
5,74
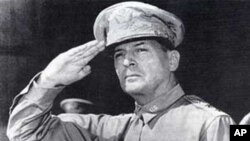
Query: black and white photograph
x,y
122,70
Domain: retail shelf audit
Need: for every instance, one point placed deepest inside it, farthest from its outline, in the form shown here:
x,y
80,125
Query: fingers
x,y
89,54
86,59
99,47
82,49
81,55
84,72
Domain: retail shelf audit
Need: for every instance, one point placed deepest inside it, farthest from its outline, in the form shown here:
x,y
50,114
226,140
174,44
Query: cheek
x,y
118,73
151,73
155,70
118,70
150,65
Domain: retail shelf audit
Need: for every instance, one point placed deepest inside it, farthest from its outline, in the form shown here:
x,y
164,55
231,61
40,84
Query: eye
x,y
118,54
139,50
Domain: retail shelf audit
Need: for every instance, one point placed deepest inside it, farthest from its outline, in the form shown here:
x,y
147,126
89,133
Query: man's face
x,y
142,67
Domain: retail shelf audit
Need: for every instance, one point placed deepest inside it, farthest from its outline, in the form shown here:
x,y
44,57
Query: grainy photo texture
x,y
113,70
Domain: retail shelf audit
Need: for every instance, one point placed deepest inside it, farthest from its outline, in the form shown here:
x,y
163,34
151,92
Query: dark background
x,y
214,55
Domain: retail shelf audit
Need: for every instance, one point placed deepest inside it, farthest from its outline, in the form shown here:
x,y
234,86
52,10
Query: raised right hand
x,y
70,66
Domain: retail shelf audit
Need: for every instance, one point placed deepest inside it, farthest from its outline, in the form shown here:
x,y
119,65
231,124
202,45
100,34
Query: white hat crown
x,y
128,20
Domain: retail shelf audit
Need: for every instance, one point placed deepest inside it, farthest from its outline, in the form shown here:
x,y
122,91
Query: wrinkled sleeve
x,y
30,118
217,129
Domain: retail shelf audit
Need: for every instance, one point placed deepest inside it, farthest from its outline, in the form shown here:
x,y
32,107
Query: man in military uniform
x,y
143,40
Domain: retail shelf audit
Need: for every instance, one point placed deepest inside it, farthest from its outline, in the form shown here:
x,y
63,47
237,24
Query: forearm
x,y
30,111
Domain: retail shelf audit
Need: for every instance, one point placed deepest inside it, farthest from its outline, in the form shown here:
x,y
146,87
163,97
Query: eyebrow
x,y
136,44
139,43
117,50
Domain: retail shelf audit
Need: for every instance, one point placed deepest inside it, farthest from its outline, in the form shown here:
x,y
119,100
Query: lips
x,y
131,76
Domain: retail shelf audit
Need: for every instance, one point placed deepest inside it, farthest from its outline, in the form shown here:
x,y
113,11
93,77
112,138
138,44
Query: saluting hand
x,y
70,66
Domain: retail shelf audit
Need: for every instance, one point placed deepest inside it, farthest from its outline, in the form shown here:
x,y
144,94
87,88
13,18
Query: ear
x,y
174,58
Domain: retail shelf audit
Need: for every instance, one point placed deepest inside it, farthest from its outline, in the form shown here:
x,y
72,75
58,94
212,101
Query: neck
x,y
162,89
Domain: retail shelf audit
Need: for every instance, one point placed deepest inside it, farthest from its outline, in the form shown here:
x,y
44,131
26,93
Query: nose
x,y
129,61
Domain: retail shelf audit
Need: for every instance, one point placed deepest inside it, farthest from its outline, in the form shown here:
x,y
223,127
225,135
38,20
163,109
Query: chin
x,y
133,88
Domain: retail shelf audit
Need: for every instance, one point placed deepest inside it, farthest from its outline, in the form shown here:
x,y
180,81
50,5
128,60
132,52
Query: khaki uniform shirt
x,y
171,117
245,120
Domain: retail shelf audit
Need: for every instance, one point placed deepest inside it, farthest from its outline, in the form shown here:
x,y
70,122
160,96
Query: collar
x,y
159,104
